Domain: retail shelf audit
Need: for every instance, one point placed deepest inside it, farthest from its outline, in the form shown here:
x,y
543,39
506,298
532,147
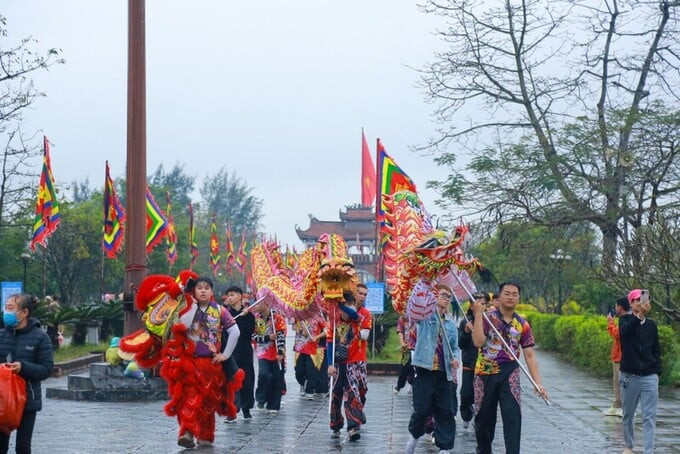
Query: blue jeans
x,y
644,390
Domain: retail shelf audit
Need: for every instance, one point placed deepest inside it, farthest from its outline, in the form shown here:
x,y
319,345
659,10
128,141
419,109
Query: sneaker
x,y
186,440
628,451
444,451
229,420
310,396
246,413
335,434
354,434
260,406
272,411
395,390
203,443
619,412
410,447
302,390
409,390
611,411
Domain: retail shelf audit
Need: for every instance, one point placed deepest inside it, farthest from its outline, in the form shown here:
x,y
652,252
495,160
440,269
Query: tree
x,y
176,181
232,200
17,95
571,91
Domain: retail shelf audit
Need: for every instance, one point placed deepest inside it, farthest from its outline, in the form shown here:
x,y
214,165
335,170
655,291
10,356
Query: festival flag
x,y
367,174
214,246
46,207
171,238
114,218
392,179
193,246
241,258
229,257
156,222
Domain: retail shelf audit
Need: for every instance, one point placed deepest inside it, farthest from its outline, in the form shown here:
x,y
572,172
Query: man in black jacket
x,y
640,369
26,350
243,353
469,358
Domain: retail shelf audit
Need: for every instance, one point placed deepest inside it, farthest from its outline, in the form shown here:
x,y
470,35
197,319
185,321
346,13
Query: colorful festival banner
x,y
241,258
114,218
171,237
46,207
214,246
156,222
229,257
392,179
193,246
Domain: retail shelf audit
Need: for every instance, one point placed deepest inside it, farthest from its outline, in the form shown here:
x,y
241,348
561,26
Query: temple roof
x,y
357,213
318,228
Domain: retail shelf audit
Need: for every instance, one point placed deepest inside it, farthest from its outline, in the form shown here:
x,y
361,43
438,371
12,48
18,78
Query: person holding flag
x,y
270,338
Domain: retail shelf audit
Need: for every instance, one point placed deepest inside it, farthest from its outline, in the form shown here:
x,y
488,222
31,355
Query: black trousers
x,y
269,384
467,395
245,398
406,372
503,389
434,395
306,374
24,435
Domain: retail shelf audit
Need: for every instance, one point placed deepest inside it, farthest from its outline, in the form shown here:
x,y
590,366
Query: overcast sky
x,y
276,91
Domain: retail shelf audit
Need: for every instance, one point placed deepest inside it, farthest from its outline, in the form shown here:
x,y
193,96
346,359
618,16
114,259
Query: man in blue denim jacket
x,y
435,358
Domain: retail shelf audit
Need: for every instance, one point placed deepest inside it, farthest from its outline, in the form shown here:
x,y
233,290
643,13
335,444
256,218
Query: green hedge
x,y
583,340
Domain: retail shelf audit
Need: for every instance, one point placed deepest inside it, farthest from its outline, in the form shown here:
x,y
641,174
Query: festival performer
x,y
344,365
435,358
183,332
307,336
270,338
365,326
469,357
497,373
243,353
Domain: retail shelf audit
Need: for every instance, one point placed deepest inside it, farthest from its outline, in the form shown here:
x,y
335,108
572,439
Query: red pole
x,y
135,233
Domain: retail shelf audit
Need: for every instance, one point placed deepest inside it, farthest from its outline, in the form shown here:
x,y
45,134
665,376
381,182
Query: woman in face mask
x,y
26,350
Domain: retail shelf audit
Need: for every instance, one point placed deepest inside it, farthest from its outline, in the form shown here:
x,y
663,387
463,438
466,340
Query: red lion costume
x,y
197,388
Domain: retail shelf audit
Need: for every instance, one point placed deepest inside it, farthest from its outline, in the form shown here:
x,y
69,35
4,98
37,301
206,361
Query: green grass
x,y
76,351
391,352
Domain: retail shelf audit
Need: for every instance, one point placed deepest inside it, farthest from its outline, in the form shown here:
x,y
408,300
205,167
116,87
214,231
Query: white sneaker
x,y
409,390
395,390
611,411
410,447
627,451
619,412
444,451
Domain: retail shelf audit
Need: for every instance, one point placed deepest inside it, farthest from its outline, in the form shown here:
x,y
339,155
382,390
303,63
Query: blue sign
x,y
9,289
375,300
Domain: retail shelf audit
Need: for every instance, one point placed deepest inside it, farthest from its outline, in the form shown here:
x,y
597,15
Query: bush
x,y
543,327
565,332
670,354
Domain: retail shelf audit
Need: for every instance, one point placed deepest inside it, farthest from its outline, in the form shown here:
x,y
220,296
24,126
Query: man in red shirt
x,y
622,308
307,335
344,365
365,326
270,339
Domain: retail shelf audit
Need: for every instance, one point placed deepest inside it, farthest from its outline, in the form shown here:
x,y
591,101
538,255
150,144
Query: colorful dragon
x,y
414,250
319,278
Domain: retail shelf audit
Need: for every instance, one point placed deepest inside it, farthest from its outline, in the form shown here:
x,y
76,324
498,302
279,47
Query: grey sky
x,y
277,91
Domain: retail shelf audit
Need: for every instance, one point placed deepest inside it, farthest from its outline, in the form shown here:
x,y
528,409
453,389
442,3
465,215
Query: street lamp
x,y
25,257
560,256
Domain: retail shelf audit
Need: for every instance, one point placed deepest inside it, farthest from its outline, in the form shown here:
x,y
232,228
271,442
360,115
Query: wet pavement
x,y
575,422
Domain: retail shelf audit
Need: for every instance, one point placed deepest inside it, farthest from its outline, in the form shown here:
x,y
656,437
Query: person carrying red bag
x,y
26,350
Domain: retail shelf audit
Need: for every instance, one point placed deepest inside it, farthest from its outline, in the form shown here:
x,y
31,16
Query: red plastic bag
x,y
12,400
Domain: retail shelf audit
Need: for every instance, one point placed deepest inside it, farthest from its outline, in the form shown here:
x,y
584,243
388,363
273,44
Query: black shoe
x,y
246,413
354,434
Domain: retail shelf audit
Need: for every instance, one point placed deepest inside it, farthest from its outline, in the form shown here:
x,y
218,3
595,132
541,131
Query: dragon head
x,y
336,272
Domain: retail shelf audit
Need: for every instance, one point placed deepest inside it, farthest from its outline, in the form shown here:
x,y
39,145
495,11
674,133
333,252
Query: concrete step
x,y
106,395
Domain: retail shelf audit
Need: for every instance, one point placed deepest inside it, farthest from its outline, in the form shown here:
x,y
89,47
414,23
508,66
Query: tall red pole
x,y
135,191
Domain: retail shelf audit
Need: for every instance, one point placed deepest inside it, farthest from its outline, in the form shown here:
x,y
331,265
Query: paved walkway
x,y
573,424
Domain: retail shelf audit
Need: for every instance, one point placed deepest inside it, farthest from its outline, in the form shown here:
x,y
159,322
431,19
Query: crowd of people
x,y
482,346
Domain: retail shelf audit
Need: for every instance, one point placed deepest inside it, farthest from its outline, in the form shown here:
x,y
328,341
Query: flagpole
x,y
378,200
